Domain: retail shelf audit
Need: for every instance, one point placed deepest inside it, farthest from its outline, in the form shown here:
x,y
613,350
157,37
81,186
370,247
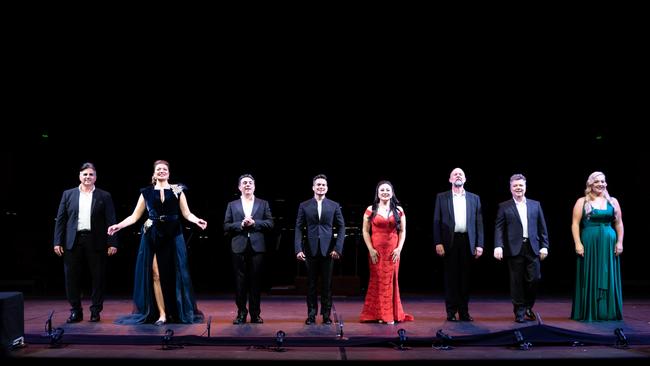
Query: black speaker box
x,y
12,318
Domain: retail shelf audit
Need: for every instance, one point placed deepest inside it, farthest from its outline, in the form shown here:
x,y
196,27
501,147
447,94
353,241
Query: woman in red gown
x,y
384,236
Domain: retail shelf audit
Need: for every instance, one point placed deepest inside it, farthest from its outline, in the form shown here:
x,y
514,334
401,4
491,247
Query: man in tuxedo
x,y
458,236
247,220
80,234
520,232
319,216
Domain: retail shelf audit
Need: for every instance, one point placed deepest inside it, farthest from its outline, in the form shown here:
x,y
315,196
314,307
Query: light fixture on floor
x,y
279,341
55,337
339,327
521,341
621,339
402,338
167,338
442,341
168,341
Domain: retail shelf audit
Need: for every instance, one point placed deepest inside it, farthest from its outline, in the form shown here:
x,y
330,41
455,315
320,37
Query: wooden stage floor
x,y
490,337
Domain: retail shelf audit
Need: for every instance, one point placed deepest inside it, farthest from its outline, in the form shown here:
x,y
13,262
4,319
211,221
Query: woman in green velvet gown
x,y
597,229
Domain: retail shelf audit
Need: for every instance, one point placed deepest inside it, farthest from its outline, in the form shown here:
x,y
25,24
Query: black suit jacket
x,y
102,215
240,235
319,228
444,221
509,232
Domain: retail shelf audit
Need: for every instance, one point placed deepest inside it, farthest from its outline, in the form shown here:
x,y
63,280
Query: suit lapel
x,y
92,205
256,205
314,209
513,207
75,200
239,206
450,206
327,207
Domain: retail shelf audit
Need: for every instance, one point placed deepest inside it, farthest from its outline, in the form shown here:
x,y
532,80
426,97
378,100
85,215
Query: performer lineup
x,y
86,228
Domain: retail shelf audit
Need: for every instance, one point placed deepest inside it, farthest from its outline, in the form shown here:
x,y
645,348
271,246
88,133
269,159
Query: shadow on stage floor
x,y
492,336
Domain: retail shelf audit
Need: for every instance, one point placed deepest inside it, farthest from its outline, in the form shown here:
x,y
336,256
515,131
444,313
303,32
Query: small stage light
x,y
339,328
279,341
401,333
167,338
279,338
621,339
55,337
167,341
521,342
442,341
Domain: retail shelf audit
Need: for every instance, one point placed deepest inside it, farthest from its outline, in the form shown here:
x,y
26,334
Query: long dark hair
x,y
394,202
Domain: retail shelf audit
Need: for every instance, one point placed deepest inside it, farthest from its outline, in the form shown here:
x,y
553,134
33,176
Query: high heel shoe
x,y
160,322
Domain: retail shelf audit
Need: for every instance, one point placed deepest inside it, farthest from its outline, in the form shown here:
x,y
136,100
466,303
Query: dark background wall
x,y
285,105
415,157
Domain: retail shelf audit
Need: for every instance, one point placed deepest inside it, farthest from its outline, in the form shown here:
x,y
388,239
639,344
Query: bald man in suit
x,y
458,236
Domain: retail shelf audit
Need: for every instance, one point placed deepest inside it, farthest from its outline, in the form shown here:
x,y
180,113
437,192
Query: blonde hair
x,y
590,182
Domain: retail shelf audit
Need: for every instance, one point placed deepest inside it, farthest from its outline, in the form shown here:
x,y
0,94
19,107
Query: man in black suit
x,y
458,235
521,230
319,215
82,222
247,220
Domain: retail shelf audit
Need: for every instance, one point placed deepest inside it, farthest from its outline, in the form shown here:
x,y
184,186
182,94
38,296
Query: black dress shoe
x,y
240,319
327,320
75,317
257,320
466,318
451,317
94,316
530,315
310,320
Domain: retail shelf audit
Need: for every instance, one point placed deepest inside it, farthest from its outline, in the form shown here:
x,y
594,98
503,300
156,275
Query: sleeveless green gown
x,y
598,293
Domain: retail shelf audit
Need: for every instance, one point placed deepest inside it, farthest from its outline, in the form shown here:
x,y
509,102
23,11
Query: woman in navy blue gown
x,y
162,290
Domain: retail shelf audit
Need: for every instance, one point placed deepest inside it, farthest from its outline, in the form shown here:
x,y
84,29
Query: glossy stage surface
x,y
490,337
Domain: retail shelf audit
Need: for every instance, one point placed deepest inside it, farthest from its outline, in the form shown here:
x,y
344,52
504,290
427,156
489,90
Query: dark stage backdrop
x,y
39,163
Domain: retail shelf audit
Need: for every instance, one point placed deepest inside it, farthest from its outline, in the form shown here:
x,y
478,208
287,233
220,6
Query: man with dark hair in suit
x,y
81,234
247,220
520,232
458,236
319,216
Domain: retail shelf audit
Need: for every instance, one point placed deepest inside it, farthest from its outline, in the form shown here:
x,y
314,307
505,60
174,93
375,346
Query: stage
x,y
490,337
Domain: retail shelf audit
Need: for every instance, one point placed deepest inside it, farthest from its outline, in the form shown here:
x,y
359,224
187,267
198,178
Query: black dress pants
x,y
457,262
319,266
84,250
248,282
524,275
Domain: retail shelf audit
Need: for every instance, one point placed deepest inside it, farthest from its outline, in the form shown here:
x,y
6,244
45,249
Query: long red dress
x,y
382,299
